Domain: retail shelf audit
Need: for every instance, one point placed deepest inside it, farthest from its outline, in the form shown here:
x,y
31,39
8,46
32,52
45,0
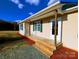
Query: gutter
x,y
71,9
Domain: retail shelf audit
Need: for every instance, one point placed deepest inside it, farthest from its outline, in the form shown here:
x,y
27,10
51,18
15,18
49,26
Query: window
x,y
53,26
21,26
37,26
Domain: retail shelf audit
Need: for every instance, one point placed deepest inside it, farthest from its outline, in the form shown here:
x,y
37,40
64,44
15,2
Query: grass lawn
x,y
14,47
9,36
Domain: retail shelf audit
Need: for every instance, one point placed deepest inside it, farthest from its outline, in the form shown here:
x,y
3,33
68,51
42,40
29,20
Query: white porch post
x,y
55,36
24,27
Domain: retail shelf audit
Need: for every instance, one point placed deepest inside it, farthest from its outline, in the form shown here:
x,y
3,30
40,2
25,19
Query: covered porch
x,y
46,46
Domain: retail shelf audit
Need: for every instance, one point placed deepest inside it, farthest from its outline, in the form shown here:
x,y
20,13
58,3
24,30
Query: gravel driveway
x,y
28,52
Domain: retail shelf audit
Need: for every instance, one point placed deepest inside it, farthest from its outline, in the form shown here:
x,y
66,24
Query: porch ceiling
x,y
42,16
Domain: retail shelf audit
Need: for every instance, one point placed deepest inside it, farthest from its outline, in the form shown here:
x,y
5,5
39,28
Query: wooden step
x,y
47,45
44,42
43,49
44,46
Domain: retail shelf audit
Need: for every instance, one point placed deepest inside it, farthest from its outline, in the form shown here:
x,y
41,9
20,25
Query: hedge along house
x,y
53,27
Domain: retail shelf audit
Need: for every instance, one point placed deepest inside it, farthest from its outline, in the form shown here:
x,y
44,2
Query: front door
x,y
59,23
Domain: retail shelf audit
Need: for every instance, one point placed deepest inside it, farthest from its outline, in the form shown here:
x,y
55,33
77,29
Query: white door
x,y
59,23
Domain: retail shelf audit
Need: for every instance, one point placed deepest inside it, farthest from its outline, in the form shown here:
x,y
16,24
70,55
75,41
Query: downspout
x,y
55,36
29,28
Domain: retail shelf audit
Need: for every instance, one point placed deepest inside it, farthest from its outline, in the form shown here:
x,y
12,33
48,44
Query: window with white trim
x,y
21,26
37,26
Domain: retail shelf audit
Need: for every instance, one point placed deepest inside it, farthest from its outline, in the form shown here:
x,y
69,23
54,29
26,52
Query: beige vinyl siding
x,y
45,29
69,33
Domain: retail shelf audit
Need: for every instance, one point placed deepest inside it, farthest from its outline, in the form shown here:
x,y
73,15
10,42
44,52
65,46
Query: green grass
x,y
21,44
9,36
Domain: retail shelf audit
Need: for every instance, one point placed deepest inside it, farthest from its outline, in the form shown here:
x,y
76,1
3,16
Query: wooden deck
x,y
50,50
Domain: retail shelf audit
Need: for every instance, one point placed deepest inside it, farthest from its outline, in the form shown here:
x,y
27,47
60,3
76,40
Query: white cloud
x,y
17,20
51,2
33,2
17,2
30,13
20,6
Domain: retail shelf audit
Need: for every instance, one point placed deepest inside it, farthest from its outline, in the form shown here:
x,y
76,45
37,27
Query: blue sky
x,y
15,10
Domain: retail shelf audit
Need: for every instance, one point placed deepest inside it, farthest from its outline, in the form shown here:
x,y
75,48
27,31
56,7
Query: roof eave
x,y
71,9
41,12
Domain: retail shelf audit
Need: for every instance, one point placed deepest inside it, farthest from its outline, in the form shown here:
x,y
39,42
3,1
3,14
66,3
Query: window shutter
x,y
41,26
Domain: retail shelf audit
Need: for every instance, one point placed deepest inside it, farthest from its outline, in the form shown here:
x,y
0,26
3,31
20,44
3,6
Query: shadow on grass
x,y
9,39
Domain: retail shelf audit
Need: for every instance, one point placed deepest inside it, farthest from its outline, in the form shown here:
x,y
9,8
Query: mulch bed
x,y
29,41
64,53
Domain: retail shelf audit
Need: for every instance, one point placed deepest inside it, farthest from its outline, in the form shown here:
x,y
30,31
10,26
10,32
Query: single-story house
x,y
57,24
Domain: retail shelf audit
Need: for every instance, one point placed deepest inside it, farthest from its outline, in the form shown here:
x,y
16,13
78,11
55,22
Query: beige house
x,y
53,26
